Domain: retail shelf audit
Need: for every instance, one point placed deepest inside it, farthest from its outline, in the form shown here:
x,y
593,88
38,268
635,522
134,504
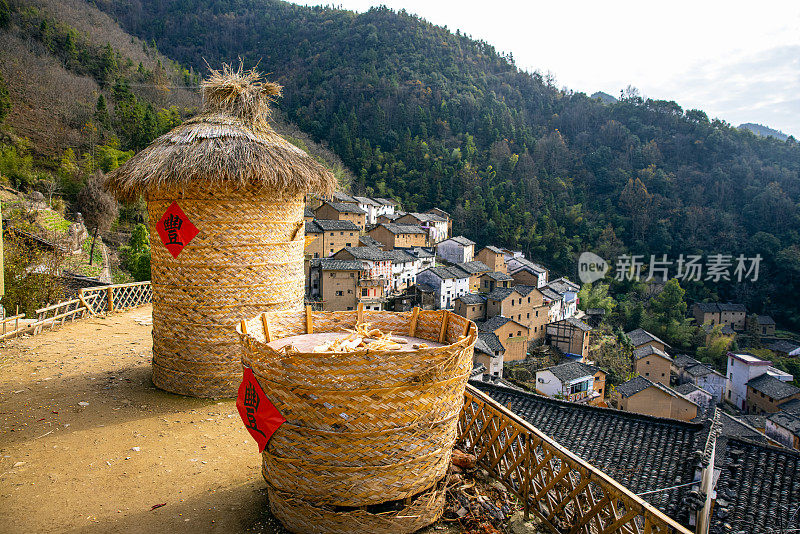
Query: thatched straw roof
x,y
229,141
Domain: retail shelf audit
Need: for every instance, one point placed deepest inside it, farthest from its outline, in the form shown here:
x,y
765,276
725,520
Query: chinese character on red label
x,y
258,414
175,229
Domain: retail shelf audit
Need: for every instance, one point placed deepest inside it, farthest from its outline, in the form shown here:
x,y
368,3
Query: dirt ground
x,y
88,444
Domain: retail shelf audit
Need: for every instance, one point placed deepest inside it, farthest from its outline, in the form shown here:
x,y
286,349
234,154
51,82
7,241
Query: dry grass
x,y
230,142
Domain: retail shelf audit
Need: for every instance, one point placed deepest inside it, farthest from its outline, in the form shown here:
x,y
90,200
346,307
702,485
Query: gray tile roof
x,y
385,201
447,273
308,212
574,321
328,225
343,207
550,294
426,217
474,267
707,307
640,336
528,265
569,371
491,340
370,241
403,228
700,370
491,325
731,307
461,240
642,452
647,350
684,360
688,387
758,489
340,196
771,386
419,252
787,421
501,293
498,276
472,298
791,407
493,249
756,421
399,256
367,201
783,346
563,285
328,264
765,319
640,383
365,253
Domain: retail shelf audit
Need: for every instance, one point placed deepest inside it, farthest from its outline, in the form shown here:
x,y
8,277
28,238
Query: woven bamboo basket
x,y
247,257
361,427
242,186
303,517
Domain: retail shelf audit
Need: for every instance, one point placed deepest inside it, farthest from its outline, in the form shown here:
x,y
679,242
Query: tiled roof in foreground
x,y
758,488
641,452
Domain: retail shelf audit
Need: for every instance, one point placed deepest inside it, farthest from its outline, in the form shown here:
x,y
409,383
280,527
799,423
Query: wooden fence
x,y
566,493
90,301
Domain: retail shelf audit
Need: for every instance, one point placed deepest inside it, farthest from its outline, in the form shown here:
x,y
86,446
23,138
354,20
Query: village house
x,y
446,216
641,395
687,370
653,363
493,257
742,368
398,235
765,325
524,304
475,269
448,283
765,392
784,425
308,214
641,337
570,336
713,313
490,353
456,249
342,211
512,335
435,225
426,258
418,295
594,316
367,241
724,329
370,207
471,306
389,217
572,381
331,236
375,261
568,291
491,281
697,395
525,271
405,268
555,303
387,208
344,284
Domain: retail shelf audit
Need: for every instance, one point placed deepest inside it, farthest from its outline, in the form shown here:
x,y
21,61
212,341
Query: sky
x,y
737,61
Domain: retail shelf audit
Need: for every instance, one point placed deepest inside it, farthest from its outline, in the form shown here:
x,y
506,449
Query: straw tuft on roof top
x,y
229,141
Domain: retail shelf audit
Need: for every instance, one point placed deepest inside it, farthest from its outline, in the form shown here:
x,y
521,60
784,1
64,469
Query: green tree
x,y
666,316
596,296
5,99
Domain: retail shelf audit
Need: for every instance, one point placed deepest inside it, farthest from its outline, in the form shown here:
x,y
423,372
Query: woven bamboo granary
x,y
230,175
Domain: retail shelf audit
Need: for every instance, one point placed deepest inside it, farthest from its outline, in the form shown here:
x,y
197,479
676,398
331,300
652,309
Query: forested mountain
x,y
434,118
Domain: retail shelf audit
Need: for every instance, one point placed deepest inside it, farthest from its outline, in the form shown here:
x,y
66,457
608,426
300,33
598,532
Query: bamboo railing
x,y
90,301
566,493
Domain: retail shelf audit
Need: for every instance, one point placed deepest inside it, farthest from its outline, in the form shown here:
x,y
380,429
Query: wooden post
x,y
110,296
16,321
443,331
360,312
265,323
412,328
310,321
244,327
527,475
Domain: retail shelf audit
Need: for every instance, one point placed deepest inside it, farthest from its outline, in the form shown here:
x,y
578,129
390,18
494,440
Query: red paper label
x,y
175,229
258,414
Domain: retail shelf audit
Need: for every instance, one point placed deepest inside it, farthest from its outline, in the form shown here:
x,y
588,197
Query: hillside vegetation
x,y
434,118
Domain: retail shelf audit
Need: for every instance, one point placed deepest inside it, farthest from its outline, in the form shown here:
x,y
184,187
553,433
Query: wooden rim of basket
x,y
469,337
355,434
